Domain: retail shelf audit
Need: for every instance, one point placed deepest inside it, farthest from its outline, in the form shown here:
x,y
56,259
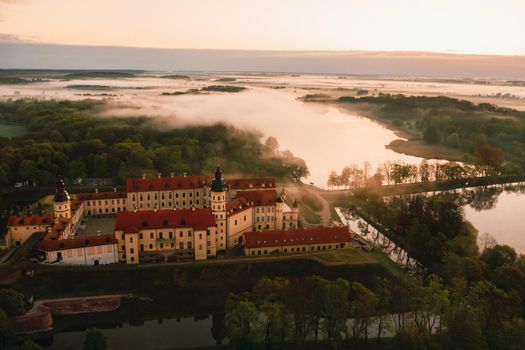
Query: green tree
x,y
488,158
29,345
241,323
6,331
94,340
432,135
11,301
499,255
362,309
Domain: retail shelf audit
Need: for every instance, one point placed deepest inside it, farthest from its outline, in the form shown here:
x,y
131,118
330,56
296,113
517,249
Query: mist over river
x,y
327,138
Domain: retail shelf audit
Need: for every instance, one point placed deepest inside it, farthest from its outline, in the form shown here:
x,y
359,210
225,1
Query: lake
x,y
500,216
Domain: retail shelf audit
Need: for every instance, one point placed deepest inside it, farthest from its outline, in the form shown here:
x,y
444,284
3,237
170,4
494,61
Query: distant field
x,y
12,130
101,74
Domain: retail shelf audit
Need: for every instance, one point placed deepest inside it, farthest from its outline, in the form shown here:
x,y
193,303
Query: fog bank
x,y
28,55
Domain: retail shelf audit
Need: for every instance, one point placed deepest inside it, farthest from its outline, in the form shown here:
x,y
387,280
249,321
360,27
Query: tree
x,y
487,241
336,304
362,308
29,171
332,179
11,301
6,330
272,144
499,255
488,158
94,340
241,323
432,135
77,169
29,345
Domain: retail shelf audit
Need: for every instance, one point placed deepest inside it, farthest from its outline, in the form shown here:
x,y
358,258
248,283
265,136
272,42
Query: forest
x,y
485,290
71,139
455,123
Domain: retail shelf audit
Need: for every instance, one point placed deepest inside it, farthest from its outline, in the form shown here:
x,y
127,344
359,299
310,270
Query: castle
x,y
185,216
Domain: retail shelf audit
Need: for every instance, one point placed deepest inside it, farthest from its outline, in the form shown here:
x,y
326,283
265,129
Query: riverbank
x,y
411,142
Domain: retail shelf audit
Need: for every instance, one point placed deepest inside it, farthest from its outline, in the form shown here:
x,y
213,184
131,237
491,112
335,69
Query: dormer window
x,y
145,223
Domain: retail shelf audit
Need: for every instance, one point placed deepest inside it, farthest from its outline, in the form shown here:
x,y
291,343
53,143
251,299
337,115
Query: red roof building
x,y
33,219
128,221
101,195
74,243
298,240
250,183
259,198
167,183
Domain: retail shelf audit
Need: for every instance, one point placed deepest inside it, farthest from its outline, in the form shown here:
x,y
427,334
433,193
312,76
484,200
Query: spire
x,y
61,194
295,204
216,184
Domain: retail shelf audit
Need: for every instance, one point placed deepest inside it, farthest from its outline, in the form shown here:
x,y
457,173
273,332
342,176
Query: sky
x,y
460,26
448,38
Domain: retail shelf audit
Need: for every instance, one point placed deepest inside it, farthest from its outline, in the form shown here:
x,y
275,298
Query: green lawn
x,y
311,201
12,130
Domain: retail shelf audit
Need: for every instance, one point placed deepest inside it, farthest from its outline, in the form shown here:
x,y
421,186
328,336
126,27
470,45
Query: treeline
x,y
421,314
398,172
69,138
433,230
456,123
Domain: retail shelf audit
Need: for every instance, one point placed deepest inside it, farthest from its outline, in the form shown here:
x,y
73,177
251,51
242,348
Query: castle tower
x,y
218,207
279,211
62,205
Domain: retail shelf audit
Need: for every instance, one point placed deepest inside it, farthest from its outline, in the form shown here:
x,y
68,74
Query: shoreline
x,y
408,142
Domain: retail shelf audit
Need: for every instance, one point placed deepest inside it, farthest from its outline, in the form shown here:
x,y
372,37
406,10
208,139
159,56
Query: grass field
x,y
12,130
311,201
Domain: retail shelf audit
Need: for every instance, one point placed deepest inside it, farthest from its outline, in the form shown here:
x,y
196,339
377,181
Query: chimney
x,y
193,208
96,190
143,176
135,210
172,174
159,175
185,174
114,189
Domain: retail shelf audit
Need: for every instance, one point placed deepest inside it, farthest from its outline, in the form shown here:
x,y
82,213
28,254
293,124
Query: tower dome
x,y
216,184
61,194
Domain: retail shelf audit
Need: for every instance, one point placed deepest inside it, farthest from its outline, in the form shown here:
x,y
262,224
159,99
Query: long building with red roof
x,y
148,233
296,241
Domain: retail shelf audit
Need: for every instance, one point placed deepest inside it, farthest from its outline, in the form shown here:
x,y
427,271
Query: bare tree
x,y
486,240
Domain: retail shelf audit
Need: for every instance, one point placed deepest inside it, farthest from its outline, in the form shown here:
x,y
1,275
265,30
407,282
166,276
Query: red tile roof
x,y
129,221
101,195
34,219
79,242
250,183
319,235
57,229
167,183
259,198
237,205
